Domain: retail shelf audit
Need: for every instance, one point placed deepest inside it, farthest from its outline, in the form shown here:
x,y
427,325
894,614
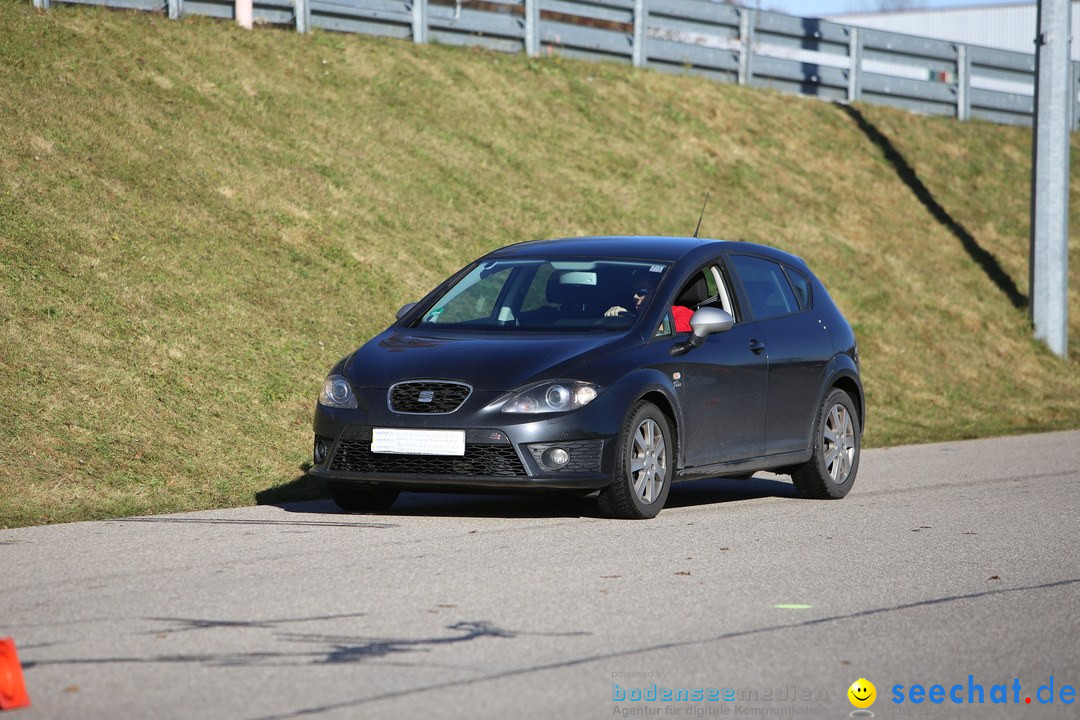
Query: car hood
x,y
487,362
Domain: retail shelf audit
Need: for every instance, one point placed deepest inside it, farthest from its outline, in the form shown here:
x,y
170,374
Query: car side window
x,y
705,289
767,289
695,292
801,285
667,327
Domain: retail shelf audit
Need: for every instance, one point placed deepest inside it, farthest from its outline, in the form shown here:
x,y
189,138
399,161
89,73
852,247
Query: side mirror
x,y
706,321
405,310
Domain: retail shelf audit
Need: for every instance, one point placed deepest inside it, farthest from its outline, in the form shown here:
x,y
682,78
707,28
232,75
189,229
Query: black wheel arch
x,y
664,404
655,386
853,388
843,373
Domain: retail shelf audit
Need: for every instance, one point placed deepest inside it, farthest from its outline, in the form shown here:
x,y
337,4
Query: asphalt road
x,y
946,561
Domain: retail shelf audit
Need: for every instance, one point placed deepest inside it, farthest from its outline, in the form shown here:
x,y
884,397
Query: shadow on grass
x,y
307,495
984,258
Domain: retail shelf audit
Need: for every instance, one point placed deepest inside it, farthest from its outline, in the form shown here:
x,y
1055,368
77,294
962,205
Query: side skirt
x,y
742,467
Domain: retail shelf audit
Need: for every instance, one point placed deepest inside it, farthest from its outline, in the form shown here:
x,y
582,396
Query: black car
x,y
610,364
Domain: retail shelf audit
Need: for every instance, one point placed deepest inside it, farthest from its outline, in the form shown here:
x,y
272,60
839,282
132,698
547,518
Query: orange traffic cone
x,y
12,688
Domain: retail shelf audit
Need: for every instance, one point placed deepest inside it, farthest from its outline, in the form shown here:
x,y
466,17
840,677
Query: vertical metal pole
x,y
245,13
1049,265
176,8
746,46
854,78
41,4
963,83
303,16
641,10
419,21
532,27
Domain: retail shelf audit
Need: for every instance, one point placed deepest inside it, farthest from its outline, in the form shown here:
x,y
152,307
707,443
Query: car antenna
x,y
700,217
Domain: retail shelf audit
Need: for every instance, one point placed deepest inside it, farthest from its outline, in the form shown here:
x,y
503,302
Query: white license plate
x,y
418,442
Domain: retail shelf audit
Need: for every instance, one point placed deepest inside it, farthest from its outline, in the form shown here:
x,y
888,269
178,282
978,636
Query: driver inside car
x,y
645,284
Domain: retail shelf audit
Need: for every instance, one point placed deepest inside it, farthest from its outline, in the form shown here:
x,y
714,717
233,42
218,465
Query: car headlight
x,y
552,396
337,392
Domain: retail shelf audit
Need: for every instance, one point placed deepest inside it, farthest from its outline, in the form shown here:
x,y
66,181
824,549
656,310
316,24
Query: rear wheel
x,y
352,497
831,470
645,460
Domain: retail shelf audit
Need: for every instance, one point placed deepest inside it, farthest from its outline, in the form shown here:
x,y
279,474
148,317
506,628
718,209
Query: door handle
x,y
757,346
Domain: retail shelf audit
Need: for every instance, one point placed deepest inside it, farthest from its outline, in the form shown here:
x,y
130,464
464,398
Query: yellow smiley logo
x,y
862,693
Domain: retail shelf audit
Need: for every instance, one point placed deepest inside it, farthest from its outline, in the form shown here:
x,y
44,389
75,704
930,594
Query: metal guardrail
x,y
726,43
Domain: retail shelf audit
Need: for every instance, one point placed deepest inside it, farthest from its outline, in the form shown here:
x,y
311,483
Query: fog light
x,y
555,457
321,448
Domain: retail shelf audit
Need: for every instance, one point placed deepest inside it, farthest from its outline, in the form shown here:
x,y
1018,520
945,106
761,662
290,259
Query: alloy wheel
x,y
839,439
648,461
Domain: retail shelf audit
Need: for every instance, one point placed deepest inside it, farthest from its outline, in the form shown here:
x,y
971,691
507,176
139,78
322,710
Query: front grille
x,y
584,455
485,460
428,397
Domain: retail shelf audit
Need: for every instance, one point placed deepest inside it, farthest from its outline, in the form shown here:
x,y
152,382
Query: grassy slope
x,y
197,221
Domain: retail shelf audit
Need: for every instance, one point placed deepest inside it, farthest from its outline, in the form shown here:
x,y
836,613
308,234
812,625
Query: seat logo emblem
x,y
426,396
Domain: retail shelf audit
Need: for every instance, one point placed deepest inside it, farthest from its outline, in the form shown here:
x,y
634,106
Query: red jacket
x,y
682,318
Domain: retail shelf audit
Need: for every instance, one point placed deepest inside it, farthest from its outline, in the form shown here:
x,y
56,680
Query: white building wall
x,y
1008,27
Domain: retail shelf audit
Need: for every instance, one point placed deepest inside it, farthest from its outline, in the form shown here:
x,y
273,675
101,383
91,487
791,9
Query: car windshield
x,y
551,294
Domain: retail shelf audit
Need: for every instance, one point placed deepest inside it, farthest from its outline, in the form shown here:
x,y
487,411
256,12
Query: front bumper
x,y
502,451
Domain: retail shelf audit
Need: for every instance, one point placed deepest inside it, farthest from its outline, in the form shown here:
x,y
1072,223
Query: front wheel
x,y
645,460
352,497
830,471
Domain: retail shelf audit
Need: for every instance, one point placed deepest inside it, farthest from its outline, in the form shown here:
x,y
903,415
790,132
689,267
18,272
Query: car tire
x,y
830,471
645,463
352,497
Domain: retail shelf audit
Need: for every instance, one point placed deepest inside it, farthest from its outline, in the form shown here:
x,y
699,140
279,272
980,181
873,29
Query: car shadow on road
x,y
713,491
724,490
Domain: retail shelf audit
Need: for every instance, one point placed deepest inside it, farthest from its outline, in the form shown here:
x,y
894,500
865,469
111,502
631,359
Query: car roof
x,y
636,247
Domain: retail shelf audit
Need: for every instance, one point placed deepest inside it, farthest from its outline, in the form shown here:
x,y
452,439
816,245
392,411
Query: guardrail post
x,y
419,21
854,78
302,8
245,13
41,4
963,83
641,11
532,27
746,46
176,8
